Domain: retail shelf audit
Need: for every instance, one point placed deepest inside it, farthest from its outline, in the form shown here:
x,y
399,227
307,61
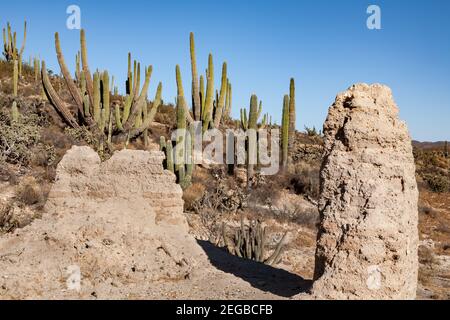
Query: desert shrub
x,y
166,115
221,199
5,215
438,183
81,135
312,132
296,214
44,155
29,192
192,194
305,180
18,138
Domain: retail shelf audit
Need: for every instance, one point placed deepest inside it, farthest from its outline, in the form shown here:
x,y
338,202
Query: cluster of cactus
x,y
288,124
249,242
10,49
92,97
211,111
179,160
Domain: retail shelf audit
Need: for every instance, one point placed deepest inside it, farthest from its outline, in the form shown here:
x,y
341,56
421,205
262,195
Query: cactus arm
x,y
106,96
118,118
276,254
155,106
15,77
24,38
223,92
206,117
96,98
285,130
74,92
136,106
202,94
181,101
56,100
195,85
169,157
85,66
291,113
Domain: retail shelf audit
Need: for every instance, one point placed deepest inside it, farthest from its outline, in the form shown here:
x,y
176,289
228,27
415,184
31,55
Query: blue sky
x,y
324,44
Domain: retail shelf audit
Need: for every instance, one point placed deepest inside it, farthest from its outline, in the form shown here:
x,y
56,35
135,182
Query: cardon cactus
x,y
92,97
14,109
249,242
209,99
205,107
285,131
10,50
196,98
180,159
291,113
222,97
250,124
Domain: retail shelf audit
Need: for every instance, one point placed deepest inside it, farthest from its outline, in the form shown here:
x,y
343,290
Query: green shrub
x,y
438,183
17,138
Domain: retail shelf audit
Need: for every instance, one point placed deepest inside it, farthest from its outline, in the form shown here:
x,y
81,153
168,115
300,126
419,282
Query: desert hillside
x,y
217,204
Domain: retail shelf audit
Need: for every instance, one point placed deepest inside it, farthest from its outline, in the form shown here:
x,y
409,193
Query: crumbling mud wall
x,y
109,231
368,237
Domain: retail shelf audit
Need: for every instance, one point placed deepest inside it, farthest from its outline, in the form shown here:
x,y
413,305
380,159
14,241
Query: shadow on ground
x,y
261,276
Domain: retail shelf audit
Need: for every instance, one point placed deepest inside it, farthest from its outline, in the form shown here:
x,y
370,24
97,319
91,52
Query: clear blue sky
x,y
324,45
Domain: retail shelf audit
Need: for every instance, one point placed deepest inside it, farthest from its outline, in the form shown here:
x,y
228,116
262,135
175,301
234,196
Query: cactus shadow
x,y
261,276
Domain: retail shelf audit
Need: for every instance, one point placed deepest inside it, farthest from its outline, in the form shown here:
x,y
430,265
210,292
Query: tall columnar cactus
x,y
285,131
10,50
252,138
196,99
92,97
291,113
14,110
36,67
180,159
222,97
15,78
209,99
228,101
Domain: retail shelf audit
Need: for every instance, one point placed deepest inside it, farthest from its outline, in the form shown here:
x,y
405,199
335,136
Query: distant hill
x,y
428,145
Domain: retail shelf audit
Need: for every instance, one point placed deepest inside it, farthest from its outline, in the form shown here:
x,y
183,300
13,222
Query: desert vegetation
x,y
272,220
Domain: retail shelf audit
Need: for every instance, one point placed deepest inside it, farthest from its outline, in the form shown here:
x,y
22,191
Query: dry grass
x,y
192,195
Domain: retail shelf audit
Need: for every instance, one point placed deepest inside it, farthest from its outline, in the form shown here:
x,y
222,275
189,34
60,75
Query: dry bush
x,y
192,194
305,180
166,115
296,214
437,183
29,192
5,214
